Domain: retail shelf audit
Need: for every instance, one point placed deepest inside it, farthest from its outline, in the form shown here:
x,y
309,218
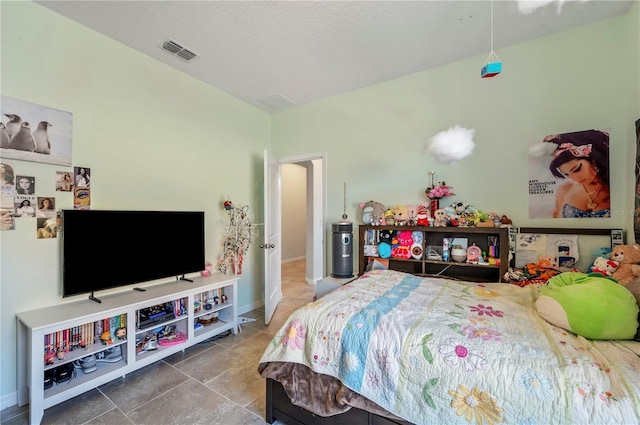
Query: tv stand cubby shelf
x,y
99,342
432,238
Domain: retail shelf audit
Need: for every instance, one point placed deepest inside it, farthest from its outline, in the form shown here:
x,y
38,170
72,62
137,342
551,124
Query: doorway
x,y
303,212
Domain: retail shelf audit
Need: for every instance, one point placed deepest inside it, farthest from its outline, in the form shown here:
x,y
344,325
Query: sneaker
x,y
87,364
64,373
49,376
111,355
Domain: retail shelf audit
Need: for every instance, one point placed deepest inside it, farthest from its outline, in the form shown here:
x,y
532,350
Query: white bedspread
x,y
435,351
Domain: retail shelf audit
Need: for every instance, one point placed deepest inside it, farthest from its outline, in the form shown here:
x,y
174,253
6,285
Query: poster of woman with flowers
x,y
569,175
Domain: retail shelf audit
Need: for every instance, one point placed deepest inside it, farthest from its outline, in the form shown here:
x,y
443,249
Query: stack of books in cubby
x,y
212,297
83,336
180,307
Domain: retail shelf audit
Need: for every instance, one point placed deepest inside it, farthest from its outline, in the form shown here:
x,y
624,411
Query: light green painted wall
x,y
153,137
632,81
375,137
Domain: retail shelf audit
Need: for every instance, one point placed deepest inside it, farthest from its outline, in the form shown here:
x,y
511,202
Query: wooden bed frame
x,y
279,406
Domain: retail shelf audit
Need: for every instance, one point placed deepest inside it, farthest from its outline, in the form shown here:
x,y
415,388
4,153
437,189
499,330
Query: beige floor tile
x,y
112,417
143,385
241,383
13,412
78,410
184,404
209,364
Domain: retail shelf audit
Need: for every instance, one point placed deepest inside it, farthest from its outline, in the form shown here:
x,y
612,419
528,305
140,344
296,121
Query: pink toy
x,y
402,244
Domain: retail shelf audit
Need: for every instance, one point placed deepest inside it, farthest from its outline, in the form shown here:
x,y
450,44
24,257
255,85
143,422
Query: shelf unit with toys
x,y
423,264
87,344
213,310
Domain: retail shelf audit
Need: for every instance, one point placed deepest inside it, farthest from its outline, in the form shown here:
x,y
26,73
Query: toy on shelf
x,y
423,215
372,212
388,217
440,219
400,215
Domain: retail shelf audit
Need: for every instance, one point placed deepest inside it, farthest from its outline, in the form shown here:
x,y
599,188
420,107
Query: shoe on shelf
x,y
87,364
110,355
49,377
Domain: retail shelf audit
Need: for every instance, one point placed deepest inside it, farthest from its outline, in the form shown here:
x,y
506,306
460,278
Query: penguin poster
x,y
30,132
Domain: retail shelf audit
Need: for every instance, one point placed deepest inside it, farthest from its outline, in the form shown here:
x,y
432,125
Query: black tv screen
x,y
105,249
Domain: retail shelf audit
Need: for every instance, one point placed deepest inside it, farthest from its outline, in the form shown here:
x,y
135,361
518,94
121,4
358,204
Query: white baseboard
x,y
250,307
9,400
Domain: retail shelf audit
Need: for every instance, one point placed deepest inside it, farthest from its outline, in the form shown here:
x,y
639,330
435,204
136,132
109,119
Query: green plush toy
x,y
590,305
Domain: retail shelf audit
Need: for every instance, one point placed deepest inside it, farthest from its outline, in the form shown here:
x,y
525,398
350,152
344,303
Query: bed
x,y
394,348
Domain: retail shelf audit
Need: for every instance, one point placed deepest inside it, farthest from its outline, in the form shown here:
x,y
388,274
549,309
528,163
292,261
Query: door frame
x,y
316,166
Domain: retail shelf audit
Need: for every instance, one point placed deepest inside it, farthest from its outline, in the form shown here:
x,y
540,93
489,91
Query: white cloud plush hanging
x,y
453,144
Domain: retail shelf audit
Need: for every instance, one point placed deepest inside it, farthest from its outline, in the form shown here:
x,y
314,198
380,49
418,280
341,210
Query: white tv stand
x,y
74,324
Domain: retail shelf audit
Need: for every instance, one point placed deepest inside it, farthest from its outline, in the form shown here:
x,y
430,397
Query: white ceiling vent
x,y
276,101
179,50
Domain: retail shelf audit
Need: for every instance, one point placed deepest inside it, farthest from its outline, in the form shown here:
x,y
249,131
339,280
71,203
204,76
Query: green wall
x,y
375,137
153,137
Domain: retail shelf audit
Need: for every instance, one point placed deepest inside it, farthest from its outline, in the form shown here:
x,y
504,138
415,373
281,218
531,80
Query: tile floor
x,y
213,382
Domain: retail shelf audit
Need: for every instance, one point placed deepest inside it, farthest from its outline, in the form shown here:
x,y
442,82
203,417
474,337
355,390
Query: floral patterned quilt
x,y
437,351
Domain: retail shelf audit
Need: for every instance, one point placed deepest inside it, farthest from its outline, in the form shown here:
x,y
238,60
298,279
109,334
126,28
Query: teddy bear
x,y
604,266
628,257
372,212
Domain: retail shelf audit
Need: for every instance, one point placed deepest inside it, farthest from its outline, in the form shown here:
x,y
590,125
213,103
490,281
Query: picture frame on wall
x,y
35,133
569,175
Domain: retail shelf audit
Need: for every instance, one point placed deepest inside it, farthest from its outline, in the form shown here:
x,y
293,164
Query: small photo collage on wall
x,y
21,198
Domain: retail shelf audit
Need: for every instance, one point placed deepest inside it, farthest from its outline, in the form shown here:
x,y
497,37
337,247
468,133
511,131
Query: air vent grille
x,y
186,54
276,101
178,49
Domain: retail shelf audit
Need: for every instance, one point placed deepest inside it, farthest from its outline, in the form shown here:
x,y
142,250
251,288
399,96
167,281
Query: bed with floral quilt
x,y
391,347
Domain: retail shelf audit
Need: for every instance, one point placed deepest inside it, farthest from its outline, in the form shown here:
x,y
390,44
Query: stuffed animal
x,y
386,236
402,244
604,266
400,215
440,218
416,248
372,212
590,305
423,215
628,257
388,217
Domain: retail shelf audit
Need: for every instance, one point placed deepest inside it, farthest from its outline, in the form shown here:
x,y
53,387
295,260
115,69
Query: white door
x,y
272,234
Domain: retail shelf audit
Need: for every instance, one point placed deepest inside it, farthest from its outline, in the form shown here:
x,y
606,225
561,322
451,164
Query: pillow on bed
x,y
590,305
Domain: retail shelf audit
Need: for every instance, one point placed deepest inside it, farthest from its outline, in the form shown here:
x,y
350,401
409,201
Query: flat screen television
x,y
104,249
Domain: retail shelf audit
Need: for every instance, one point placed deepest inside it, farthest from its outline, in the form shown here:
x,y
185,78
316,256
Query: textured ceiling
x,y
303,51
